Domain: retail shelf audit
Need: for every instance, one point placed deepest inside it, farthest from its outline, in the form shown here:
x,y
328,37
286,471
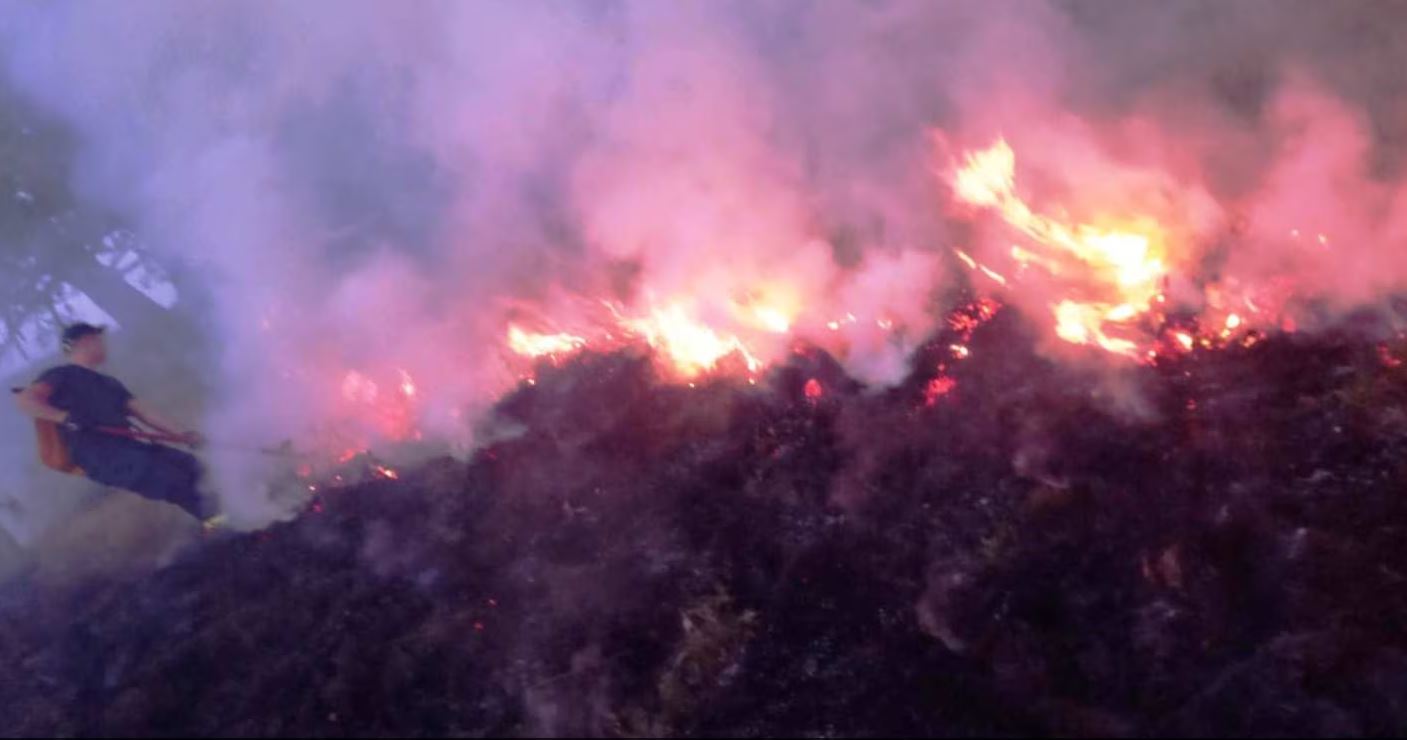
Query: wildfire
x,y
1123,269
532,344
772,319
689,347
692,347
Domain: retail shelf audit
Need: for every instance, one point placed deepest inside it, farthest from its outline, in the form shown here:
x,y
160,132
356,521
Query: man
x,y
83,402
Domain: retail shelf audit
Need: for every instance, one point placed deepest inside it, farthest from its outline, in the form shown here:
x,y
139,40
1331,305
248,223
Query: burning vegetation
x,y
995,545
789,368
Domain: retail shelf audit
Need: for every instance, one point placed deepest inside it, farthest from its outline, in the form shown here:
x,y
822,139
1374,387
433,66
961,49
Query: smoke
x,y
376,189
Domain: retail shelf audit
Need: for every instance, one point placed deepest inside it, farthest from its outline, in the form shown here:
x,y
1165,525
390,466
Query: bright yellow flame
x,y
994,275
533,344
772,319
975,265
1126,267
1082,323
691,347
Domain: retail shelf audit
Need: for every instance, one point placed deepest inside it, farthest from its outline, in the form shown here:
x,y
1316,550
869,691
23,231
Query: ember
x,y
937,388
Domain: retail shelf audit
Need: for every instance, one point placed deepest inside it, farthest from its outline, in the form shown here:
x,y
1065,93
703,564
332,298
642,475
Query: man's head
x,y
84,344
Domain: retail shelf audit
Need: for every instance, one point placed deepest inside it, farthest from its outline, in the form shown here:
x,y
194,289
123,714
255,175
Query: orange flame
x,y
1124,268
691,347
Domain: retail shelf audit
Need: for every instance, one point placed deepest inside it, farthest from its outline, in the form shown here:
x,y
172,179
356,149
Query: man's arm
x,y
34,402
146,415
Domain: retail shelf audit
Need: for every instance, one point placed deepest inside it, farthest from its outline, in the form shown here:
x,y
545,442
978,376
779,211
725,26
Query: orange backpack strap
x,y
52,450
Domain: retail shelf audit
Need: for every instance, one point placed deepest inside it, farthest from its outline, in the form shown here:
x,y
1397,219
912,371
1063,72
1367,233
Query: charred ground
x,y
1211,545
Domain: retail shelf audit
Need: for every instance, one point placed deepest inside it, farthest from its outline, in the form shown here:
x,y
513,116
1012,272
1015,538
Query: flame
x,y
1123,268
813,389
691,347
532,344
772,319
1082,323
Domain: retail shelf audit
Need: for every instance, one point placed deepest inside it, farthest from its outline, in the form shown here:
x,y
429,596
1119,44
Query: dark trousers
x,y
151,471
173,476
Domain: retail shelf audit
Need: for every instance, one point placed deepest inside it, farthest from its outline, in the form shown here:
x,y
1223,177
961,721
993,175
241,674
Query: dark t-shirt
x,y
93,399
90,397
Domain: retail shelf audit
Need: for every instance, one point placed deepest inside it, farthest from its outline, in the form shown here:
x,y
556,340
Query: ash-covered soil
x,y
1215,545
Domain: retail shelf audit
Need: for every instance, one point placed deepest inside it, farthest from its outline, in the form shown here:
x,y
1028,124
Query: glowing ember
x,y
532,344
965,320
385,472
937,388
408,388
813,389
1123,269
